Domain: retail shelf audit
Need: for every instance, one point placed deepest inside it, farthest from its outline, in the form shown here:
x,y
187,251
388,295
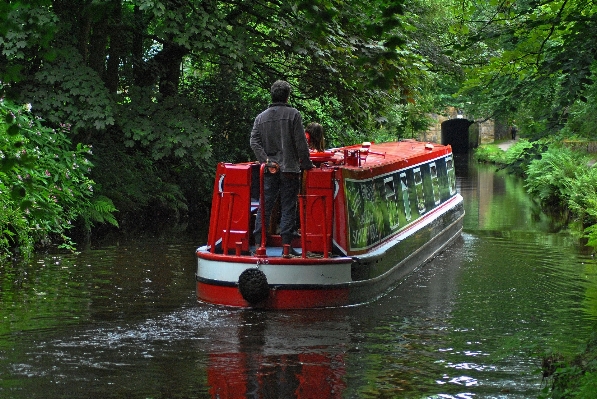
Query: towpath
x,y
507,144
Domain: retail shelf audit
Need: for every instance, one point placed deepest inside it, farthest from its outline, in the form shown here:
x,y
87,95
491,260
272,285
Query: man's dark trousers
x,y
287,185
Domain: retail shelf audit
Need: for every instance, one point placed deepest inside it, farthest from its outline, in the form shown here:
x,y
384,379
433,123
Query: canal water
x,y
120,319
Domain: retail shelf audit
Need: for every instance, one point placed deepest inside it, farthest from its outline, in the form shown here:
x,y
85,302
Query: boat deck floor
x,y
273,251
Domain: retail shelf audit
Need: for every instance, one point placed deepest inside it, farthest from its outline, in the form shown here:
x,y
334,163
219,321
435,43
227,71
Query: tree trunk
x,y
139,68
97,47
170,60
116,48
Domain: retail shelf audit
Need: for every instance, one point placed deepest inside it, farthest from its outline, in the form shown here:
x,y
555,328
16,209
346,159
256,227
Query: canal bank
x,y
566,375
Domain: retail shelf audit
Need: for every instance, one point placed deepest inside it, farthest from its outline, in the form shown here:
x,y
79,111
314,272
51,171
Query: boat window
x,y
419,190
434,183
451,174
405,199
391,202
388,183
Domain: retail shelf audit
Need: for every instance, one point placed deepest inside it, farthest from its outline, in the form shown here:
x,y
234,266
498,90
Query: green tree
x,y
44,183
529,60
162,89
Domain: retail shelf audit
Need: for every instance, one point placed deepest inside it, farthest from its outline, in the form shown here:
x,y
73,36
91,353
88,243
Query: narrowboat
x,y
368,215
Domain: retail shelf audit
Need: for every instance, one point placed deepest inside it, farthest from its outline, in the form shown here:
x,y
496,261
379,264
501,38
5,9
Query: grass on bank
x,y
564,180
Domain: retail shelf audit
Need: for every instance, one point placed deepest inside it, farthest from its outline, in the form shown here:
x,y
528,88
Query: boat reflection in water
x,y
369,215
266,365
325,353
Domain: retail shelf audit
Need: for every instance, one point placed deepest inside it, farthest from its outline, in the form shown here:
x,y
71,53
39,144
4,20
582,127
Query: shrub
x,y
550,178
44,183
583,202
521,154
516,159
571,377
491,154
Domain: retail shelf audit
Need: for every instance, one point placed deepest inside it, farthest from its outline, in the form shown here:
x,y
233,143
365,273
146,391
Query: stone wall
x,y
434,132
585,146
486,131
501,130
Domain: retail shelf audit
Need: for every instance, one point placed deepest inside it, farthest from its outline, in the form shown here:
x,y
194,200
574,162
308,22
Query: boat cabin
x,y
354,200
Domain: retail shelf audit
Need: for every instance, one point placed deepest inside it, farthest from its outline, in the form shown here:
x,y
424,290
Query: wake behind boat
x,y
369,215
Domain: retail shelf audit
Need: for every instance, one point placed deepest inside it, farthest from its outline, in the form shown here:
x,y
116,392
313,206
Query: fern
x,y
583,196
550,178
171,197
520,155
100,210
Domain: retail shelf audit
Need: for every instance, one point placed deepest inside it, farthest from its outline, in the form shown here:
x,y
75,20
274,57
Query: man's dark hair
x,y
280,91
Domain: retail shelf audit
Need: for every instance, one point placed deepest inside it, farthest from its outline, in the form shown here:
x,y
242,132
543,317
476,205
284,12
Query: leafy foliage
x,y
550,177
581,123
137,183
560,178
572,377
101,210
228,121
166,88
44,184
583,202
491,154
163,89
66,91
150,124
518,157
26,31
529,60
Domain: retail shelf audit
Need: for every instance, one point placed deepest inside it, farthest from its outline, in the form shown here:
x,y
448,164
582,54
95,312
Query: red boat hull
x,y
279,298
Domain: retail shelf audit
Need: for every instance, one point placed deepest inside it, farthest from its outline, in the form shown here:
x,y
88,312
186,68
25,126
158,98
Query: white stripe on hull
x,y
320,274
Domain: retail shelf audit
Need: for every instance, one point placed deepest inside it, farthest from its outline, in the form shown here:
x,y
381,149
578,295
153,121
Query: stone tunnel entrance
x,y
456,133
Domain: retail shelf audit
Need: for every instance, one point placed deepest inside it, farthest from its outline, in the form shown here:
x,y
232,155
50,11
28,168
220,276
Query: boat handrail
x,y
261,251
303,221
226,237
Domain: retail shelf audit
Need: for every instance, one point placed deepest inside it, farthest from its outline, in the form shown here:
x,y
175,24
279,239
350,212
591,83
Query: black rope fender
x,y
253,286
